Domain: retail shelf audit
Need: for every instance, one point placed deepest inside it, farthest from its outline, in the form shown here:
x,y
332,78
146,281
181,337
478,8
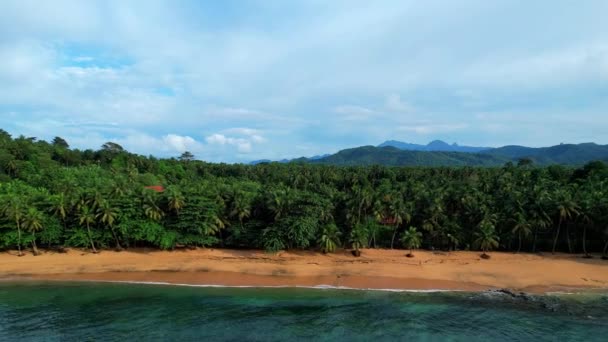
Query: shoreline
x,y
387,270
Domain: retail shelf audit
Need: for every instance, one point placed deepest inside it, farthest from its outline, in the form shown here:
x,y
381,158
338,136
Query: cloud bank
x,y
303,77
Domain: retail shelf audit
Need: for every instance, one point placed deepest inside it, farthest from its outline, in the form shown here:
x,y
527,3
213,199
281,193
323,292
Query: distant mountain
x,y
392,156
301,159
319,157
435,145
571,154
439,153
261,161
565,154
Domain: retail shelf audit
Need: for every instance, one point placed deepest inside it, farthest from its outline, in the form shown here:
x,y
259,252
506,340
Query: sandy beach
x,y
375,269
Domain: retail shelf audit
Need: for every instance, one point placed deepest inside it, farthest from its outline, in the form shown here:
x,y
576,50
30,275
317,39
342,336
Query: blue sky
x,y
244,80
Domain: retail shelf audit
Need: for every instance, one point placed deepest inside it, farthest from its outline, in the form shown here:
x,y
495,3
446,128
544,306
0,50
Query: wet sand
x,y
375,269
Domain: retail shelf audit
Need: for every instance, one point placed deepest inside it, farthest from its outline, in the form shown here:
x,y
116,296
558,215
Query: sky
x,y
235,81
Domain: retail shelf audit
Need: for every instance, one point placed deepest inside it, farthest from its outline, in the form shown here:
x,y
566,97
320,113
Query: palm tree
x,y
279,203
373,229
539,218
175,199
411,239
330,238
358,238
13,209
605,251
107,214
521,227
214,223
58,206
86,217
150,205
566,209
486,237
241,208
586,221
32,222
400,213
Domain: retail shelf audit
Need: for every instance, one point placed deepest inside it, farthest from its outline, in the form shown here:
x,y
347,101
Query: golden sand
x,y
377,269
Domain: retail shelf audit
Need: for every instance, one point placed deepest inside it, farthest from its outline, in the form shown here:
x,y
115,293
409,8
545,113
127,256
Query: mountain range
x,y
439,153
435,145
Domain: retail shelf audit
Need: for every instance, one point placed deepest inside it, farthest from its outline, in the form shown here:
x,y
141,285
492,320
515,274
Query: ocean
x,y
52,311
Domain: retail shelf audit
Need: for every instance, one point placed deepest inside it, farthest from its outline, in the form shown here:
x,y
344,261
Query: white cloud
x,y
242,131
273,77
240,137
219,139
242,145
181,143
257,139
395,104
567,64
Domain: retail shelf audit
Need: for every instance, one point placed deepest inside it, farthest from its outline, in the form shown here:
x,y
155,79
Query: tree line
x,y
53,196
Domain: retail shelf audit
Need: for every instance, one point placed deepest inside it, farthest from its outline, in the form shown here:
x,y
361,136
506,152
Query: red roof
x,y
389,220
157,188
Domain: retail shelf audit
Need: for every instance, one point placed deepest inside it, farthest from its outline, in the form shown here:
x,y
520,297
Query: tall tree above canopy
x,y
5,137
60,142
186,156
112,147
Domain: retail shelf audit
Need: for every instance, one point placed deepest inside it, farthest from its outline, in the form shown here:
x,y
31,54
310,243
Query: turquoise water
x,y
119,312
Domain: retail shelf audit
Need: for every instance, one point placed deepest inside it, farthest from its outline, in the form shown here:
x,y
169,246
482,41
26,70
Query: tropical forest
x,y
55,197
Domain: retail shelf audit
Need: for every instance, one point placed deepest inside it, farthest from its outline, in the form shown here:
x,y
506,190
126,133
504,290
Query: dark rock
x,y
519,295
356,253
546,306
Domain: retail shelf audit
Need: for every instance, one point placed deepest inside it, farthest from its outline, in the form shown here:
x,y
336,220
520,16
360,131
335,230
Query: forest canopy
x,y
53,196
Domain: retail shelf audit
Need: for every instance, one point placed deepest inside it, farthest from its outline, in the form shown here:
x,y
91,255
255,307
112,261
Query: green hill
x,y
566,154
392,156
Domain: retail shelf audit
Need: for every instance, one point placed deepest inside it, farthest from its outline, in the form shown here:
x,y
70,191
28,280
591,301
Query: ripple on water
x,y
84,311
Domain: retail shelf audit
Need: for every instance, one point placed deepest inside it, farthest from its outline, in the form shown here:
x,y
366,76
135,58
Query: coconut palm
x,y
330,238
522,228
400,213
175,199
241,208
107,215
605,250
13,209
151,207
486,238
58,206
279,202
411,240
86,217
358,239
32,222
566,209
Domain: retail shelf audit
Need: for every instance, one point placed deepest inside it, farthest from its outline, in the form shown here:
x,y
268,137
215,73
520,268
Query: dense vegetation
x,y
404,155
51,195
